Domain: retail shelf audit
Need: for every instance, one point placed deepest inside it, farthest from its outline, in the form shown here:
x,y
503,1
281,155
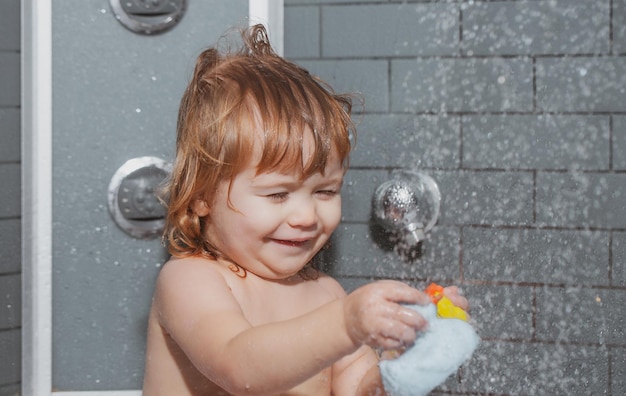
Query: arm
x,y
200,313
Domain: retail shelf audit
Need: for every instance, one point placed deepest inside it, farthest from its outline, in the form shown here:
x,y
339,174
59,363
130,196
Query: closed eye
x,y
327,193
278,197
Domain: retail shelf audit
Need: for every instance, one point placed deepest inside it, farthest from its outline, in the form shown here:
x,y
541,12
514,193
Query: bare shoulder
x,y
185,266
182,275
191,286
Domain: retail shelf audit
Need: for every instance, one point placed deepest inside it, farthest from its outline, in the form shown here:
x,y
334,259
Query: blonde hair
x,y
230,97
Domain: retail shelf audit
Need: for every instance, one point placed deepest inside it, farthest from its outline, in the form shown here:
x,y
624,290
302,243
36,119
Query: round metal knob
x,y
407,204
132,199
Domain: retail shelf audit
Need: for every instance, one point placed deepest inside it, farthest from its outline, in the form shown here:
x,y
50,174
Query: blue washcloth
x,y
436,354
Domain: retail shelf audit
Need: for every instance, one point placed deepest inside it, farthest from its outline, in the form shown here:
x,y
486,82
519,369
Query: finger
x,y
411,318
393,311
390,344
450,290
453,293
398,336
402,293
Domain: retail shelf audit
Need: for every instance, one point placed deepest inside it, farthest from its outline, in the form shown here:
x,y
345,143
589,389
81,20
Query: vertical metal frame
x,y
36,72
36,22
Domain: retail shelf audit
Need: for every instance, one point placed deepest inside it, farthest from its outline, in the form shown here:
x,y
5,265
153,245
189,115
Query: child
x,y
262,149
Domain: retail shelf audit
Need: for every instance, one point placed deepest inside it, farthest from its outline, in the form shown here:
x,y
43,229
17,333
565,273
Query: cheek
x,y
257,219
334,215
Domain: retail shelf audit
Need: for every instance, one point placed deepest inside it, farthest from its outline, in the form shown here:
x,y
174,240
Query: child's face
x,y
280,222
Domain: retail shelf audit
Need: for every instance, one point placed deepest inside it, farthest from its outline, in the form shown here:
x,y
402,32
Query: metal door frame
x,y
36,72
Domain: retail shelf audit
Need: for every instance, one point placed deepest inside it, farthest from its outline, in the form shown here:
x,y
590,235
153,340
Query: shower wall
x,y
10,210
518,110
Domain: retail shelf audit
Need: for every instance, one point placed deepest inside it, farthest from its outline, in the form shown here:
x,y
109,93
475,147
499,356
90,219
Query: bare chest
x,y
278,306
267,302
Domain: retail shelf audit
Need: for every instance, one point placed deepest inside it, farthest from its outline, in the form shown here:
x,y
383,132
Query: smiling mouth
x,y
295,243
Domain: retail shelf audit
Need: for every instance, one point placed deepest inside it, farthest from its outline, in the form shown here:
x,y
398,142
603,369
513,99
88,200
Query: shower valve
x,y
407,205
133,203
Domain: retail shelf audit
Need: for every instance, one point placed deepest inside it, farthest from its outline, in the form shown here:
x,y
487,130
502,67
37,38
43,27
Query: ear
x,y
200,207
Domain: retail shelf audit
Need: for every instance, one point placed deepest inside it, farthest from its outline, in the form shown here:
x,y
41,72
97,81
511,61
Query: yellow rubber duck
x,y
445,308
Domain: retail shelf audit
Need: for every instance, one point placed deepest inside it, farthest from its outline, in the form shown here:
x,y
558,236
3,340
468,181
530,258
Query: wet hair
x,y
242,102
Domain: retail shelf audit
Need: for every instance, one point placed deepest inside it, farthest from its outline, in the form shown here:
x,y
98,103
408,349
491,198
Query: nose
x,y
303,214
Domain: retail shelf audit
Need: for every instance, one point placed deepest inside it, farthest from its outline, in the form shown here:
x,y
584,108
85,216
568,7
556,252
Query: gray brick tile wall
x,y
399,140
461,85
355,76
10,390
10,197
512,368
521,28
536,256
10,130
10,193
585,315
10,301
360,250
304,19
300,2
618,275
10,26
516,108
619,142
618,371
619,26
10,245
485,197
353,31
577,199
10,71
536,142
359,184
10,364
496,306
581,84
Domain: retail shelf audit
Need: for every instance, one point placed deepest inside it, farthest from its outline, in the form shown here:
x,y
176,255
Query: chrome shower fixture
x,y
407,205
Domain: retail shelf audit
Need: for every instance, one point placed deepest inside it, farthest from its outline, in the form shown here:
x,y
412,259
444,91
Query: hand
x,y
453,293
374,315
